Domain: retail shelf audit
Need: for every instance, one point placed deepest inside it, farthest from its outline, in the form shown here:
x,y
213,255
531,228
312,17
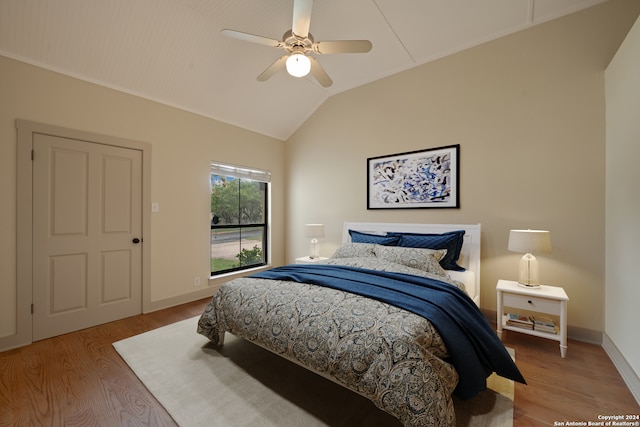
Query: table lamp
x,y
314,231
529,242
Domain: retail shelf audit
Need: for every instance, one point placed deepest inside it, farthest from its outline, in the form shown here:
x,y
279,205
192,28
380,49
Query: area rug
x,y
243,385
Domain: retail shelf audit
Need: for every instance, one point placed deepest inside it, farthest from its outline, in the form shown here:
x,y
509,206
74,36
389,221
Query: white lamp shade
x,y
314,230
298,65
530,241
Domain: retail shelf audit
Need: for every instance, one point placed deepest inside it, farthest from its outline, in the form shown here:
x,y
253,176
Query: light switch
x,y
155,207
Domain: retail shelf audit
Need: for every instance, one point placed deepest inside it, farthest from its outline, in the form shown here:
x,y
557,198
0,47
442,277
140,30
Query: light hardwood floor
x,y
79,380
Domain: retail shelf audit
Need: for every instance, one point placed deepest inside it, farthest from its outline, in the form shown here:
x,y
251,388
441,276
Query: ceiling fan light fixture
x,y
298,65
299,44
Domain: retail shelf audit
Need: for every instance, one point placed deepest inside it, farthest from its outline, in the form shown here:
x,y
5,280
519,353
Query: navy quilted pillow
x,y
358,237
451,241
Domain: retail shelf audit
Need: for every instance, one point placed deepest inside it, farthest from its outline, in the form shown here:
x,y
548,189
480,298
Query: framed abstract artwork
x,y
417,179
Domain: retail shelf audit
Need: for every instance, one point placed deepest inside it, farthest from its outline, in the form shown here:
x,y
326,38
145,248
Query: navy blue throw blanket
x,y
464,329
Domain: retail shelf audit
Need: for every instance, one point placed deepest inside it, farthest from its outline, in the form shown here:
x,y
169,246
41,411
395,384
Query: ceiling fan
x,y
300,45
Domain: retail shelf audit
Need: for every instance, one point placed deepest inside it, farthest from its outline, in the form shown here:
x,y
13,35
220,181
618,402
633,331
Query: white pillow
x,y
355,250
423,259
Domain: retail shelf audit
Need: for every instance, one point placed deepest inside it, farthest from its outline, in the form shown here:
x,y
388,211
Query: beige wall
x,y
528,111
623,205
183,144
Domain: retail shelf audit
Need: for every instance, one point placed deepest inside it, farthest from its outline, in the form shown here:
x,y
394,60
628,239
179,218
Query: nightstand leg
x,y
563,329
499,316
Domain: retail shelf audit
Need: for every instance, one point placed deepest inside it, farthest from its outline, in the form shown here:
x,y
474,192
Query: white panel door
x,y
87,225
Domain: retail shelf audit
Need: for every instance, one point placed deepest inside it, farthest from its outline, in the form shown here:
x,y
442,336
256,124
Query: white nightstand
x,y
309,260
545,299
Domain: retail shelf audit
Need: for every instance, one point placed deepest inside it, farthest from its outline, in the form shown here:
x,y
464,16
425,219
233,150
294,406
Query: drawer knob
x,y
529,301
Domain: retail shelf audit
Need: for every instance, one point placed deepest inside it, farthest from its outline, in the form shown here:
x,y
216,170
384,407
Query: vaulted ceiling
x,y
173,52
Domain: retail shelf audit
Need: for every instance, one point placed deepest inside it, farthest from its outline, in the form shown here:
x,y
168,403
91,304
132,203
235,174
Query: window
x,y
239,205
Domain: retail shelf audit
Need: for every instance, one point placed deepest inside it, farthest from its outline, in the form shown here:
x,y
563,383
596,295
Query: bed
x,y
385,316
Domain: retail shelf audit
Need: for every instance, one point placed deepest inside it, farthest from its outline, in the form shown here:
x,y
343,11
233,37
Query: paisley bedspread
x,y
391,356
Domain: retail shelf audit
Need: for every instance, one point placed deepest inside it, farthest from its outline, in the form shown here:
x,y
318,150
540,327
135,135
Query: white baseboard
x,y
205,292
213,284
626,371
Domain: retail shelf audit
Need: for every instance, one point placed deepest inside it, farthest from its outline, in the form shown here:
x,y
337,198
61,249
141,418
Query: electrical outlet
x,y
196,281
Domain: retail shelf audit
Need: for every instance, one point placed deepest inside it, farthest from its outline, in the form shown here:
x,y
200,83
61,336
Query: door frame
x,y
24,245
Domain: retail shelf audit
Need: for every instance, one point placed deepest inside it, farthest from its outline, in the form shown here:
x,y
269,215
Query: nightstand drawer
x,y
526,302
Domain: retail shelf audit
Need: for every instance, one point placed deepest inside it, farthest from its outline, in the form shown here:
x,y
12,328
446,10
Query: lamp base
x,y
529,276
529,285
315,249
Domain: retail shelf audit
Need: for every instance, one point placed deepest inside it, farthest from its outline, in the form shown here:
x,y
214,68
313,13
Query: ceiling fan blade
x,y
319,73
301,17
251,38
279,65
343,46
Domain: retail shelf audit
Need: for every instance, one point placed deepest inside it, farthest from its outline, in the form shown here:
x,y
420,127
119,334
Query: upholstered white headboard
x,y
469,255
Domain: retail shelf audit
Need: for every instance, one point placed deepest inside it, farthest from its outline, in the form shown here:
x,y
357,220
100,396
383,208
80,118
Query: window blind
x,y
240,172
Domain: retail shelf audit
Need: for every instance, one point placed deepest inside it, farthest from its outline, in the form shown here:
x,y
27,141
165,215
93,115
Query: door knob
x,y
136,240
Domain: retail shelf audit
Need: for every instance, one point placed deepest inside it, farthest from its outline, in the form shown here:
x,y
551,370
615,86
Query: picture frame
x,y
415,179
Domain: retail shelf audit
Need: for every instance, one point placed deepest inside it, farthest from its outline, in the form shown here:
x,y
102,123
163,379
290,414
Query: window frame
x,y
243,173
